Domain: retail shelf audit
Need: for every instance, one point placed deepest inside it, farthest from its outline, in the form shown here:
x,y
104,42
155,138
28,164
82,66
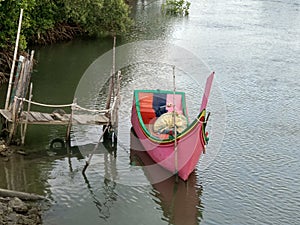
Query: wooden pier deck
x,y
19,98
56,118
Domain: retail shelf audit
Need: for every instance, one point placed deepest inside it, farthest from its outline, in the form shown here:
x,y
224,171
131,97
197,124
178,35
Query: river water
x,y
250,174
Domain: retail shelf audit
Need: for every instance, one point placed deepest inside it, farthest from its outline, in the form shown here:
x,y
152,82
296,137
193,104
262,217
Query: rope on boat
x,y
200,120
73,105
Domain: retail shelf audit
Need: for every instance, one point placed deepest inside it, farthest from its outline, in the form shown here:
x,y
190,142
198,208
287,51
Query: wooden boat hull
x,y
189,148
180,157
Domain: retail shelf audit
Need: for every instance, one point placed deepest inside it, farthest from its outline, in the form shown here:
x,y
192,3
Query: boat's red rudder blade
x,y
208,85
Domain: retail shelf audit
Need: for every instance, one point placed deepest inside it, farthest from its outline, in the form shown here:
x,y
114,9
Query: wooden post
x,y
16,103
111,83
68,139
114,112
31,60
175,128
19,86
14,61
13,125
87,163
114,65
23,134
115,106
23,85
111,92
18,72
27,77
21,195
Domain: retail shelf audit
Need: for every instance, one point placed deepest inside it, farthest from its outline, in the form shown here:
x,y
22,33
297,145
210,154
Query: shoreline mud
x,y
14,211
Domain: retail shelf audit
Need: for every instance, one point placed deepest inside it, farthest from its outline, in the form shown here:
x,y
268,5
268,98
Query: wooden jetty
x,y
40,118
19,100
18,110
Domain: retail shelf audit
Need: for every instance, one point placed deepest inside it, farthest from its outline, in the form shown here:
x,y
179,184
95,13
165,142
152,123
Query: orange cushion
x,y
146,102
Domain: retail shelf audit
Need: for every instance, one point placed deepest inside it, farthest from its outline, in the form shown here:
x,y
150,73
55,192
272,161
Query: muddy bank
x,y
15,211
5,151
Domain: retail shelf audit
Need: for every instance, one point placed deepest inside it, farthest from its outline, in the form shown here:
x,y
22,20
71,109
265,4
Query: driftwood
x,y
20,195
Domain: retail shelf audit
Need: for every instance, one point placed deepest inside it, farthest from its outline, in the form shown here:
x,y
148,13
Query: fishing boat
x,y
160,121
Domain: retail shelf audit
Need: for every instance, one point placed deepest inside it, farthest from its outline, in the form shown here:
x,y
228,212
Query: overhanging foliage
x,y
46,21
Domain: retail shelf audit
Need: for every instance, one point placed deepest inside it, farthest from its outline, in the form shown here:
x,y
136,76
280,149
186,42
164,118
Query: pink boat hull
x,y
189,149
190,145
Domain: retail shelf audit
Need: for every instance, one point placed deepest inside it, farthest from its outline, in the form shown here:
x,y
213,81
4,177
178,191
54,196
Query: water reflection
x,y
13,175
180,201
104,204
29,173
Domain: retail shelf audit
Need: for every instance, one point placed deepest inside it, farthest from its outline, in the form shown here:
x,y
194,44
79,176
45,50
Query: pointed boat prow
x,y
207,89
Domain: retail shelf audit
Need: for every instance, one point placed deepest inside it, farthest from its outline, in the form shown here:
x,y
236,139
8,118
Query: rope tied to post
x,y
74,106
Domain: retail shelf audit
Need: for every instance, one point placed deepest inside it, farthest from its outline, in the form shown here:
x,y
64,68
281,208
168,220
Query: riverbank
x,y
6,151
15,211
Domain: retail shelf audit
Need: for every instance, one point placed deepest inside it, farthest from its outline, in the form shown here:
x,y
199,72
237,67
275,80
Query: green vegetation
x,y
176,7
48,21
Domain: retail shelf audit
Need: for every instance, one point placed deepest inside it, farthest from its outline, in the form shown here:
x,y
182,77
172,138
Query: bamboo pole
x,y
21,195
27,116
111,83
23,85
68,139
108,100
16,104
175,128
87,163
20,85
14,88
27,77
13,125
115,106
14,61
114,56
114,66
31,60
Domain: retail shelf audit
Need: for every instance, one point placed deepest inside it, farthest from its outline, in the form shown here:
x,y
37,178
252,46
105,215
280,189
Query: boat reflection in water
x,y
179,200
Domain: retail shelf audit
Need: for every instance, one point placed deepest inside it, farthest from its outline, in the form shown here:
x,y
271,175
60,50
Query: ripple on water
x,y
66,184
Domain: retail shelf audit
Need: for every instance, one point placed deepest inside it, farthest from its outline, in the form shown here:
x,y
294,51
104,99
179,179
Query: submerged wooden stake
x,y
20,195
87,163
68,139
